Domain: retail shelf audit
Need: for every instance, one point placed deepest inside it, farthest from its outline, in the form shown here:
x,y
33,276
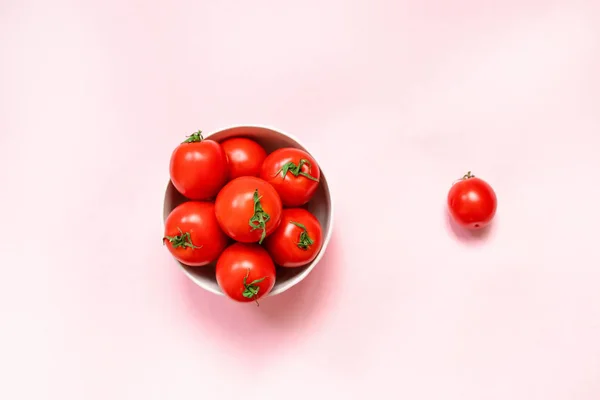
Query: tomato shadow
x,y
468,236
279,322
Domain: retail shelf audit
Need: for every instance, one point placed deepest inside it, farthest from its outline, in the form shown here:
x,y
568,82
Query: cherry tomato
x,y
245,272
193,235
293,173
198,167
245,157
472,202
297,240
248,209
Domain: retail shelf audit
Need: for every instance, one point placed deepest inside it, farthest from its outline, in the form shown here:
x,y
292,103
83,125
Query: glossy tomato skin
x,y
286,245
244,156
294,191
204,240
199,168
234,208
242,262
472,202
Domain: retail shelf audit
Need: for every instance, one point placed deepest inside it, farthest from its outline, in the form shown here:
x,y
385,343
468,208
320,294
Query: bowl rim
x,y
327,238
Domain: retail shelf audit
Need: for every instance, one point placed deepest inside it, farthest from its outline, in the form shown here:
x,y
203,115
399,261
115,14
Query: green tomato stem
x,y
194,137
468,175
251,289
260,218
296,170
304,241
184,239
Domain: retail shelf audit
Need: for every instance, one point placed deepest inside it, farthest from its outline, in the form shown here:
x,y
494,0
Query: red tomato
x,y
192,233
248,209
245,272
298,239
198,167
293,173
472,202
245,157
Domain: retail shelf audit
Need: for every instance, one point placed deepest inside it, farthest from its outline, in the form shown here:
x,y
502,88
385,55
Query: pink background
x,y
396,99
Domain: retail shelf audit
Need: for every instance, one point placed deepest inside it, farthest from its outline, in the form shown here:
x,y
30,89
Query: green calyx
x,y
296,170
468,175
194,137
260,218
251,289
184,239
304,241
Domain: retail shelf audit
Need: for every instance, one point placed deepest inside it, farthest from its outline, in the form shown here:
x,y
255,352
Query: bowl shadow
x,y
468,236
277,322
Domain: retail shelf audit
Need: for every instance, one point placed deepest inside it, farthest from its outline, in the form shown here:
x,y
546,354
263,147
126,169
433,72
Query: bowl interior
x,y
319,206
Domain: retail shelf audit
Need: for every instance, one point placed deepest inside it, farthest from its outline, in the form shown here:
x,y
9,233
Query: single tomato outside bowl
x,y
321,206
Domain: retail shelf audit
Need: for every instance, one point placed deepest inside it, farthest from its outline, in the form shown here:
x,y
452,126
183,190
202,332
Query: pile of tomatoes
x,y
245,209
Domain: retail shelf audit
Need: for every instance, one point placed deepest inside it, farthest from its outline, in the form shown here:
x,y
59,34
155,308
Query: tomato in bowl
x,y
296,162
